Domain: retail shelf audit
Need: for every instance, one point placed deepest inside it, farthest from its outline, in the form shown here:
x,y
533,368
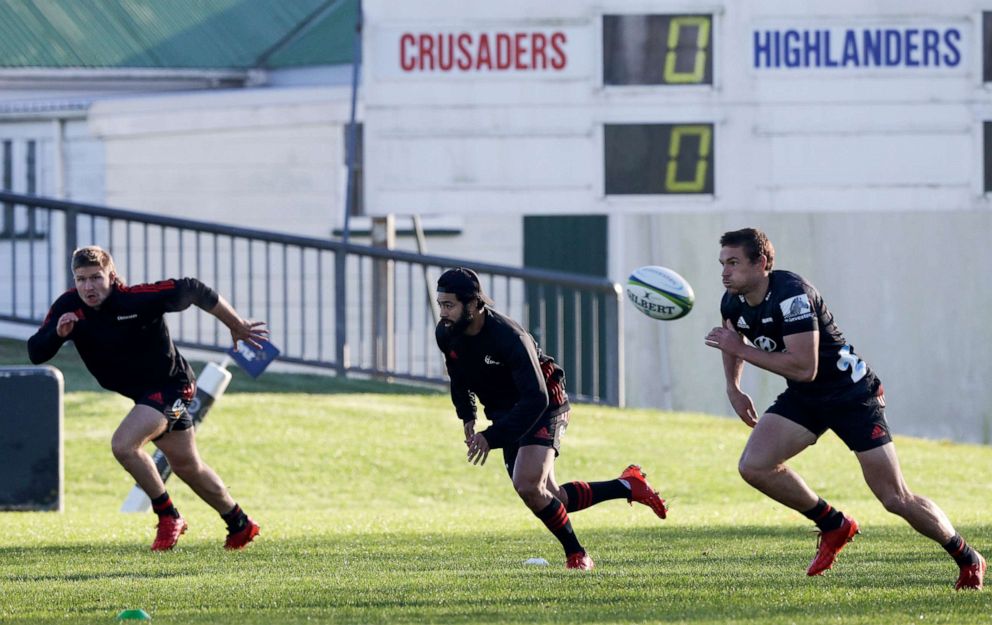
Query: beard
x,y
457,328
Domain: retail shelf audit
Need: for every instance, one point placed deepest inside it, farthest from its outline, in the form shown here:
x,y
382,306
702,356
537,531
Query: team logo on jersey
x,y
766,344
177,408
796,308
490,361
742,324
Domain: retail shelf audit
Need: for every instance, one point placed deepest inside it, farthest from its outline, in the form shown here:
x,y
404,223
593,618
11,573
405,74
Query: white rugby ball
x,y
660,293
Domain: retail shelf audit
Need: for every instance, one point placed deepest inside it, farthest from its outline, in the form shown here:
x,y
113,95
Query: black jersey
x,y
125,343
791,306
504,368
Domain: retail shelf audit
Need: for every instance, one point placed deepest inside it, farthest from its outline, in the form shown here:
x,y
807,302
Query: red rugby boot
x,y
170,528
580,561
241,538
972,576
641,491
830,544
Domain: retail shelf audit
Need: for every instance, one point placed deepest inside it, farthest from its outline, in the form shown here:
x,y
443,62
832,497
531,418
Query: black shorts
x,y
547,432
859,423
173,403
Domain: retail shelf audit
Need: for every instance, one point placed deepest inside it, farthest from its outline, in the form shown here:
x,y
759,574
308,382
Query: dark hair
x,y
96,256
754,242
464,284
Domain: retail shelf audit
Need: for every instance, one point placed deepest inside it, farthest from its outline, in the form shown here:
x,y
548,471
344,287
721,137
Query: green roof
x,y
176,34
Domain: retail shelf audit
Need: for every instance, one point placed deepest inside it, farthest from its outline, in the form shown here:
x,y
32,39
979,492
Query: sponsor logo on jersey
x,y
765,343
126,317
742,324
490,361
796,308
767,320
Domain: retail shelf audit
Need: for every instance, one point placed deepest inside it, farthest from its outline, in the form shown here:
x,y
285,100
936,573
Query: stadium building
x,y
592,137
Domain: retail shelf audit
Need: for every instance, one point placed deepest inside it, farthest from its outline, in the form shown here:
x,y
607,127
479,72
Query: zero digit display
x,y
657,50
647,159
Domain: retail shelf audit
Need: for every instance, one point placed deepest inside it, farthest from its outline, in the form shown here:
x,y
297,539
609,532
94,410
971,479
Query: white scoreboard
x,y
764,104
857,134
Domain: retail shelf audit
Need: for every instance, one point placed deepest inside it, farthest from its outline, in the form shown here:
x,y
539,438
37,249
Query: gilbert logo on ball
x,y
660,293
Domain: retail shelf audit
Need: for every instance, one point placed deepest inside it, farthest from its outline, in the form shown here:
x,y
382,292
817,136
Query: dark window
x,y
20,222
987,150
7,226
644,159
357,198
657,50
987,49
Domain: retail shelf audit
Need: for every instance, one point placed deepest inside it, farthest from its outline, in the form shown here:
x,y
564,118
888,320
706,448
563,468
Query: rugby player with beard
x,y
492,359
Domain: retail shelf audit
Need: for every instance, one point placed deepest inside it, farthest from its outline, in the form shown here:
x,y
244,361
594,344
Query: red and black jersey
x,y
504,368
791,306
125,343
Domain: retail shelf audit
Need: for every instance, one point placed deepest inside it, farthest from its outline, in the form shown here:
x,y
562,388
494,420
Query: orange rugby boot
x,y
641,491
830,544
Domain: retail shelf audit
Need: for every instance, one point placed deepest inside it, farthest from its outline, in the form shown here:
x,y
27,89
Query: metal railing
x,y
352,308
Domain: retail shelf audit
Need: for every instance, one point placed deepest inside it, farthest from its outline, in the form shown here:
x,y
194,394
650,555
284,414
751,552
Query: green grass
x,y
371,515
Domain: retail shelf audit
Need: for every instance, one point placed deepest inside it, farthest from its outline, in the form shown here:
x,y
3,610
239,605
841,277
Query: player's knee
x,y
122,449
751,473
528,489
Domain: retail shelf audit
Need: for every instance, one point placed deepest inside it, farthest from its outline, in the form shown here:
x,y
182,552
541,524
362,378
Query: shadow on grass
x,y
77,378
742,574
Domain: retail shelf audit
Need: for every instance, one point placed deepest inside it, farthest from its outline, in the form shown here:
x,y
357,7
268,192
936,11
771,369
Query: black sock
x,y
962,553
236,519
556,520
825,516
581,495
162,506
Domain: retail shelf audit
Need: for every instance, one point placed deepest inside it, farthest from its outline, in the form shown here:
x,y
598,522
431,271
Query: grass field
x,y
370,514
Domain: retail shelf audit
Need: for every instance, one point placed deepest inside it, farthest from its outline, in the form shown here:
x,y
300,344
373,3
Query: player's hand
x,y
725,338
66,324
469,432
744,407
478,449
251,332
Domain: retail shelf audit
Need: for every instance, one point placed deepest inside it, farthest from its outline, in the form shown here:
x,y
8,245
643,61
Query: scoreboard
x,y
670,106
669,50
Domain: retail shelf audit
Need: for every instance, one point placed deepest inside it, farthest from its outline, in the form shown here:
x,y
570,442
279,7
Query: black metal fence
x,y
352,308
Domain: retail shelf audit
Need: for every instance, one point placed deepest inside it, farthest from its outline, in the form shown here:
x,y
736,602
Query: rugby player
x,y
121,336
790,332
491,358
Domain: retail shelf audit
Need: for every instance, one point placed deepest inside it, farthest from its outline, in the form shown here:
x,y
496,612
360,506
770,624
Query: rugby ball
x,y
660,293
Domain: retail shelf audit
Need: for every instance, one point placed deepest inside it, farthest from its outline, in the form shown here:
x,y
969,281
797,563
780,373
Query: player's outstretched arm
x,y
251,332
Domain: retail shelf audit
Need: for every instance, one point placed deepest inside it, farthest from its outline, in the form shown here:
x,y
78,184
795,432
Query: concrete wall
x,y
264,158
903,288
